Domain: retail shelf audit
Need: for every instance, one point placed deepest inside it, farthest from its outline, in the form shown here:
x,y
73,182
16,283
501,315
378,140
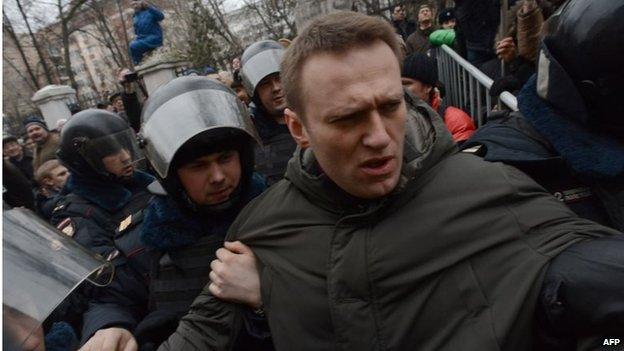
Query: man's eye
x,y
390,107
343,119
226,157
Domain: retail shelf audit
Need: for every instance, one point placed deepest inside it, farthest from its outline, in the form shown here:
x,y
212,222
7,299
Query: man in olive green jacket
x,y
382,236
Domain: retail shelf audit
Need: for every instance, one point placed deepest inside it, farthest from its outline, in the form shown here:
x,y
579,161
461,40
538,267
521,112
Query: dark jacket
x,y
581,169
418,42
178,246
452,259
16,189
93,212
46,202
404,28
277,146
25,165
96,208
477,21
133,109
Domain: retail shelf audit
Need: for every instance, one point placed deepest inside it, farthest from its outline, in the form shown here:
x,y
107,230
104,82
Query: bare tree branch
x,y
46,68
6,26
19,73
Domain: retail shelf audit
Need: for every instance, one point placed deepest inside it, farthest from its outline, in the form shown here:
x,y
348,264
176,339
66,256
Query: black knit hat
x,y
446,15
36,120
420,67
7,138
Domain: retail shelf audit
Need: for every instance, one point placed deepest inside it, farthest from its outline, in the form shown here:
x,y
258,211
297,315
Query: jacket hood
x,y
108,195
427,141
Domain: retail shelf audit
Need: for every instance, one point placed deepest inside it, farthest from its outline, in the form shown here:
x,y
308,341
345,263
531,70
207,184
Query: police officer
x,y
204,160
260,73
103,198
569,137
105,193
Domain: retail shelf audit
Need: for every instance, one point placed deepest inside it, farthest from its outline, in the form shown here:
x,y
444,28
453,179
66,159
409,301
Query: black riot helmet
x,y
92,135
260,60
582,53
190,117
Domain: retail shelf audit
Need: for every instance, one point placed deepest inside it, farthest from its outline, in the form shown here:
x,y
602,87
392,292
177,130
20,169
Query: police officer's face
x,y
211,179
37,133
354,118
12,149
271,94
119,164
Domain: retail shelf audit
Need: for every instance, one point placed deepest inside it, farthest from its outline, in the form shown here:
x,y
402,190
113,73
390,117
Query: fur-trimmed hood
x,y
167,226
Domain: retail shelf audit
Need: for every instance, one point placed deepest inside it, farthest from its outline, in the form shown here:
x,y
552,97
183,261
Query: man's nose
x,y
216,174
377,136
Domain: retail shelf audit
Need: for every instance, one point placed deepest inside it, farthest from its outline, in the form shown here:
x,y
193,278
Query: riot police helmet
x,y
190,117
584,43
98,143
260,60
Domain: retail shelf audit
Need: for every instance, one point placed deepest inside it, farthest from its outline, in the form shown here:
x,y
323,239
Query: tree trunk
x,y
66,56
9,29
125,31
46,69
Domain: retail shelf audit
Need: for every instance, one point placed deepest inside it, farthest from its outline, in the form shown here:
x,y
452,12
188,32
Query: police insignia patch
x,y
67,227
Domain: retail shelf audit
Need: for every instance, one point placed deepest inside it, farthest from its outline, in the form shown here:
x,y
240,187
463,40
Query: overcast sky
x,y
44,10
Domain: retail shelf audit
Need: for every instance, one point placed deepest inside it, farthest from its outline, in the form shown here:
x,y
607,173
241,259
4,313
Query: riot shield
x,y
41,267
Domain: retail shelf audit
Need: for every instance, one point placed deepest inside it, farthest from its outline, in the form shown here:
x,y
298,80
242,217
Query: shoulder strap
x,y
72,205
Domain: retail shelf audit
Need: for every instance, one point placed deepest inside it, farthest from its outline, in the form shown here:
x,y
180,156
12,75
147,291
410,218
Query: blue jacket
x,y
583,169
146,26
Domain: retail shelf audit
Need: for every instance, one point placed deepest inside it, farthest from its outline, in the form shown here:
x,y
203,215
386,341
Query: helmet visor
x,y
114,153
188,115
259,66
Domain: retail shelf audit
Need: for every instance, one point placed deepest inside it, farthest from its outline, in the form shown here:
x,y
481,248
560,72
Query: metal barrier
x,y
467,87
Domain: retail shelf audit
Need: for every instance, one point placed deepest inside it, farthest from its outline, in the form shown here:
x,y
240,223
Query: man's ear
x,y
297,129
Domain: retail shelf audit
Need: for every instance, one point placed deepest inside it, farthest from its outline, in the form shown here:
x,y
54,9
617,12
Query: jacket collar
x,y
591,155
427,141
109,195
265,125
167,226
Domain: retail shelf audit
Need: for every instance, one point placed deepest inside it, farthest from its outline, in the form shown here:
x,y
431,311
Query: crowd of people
x,y
323,196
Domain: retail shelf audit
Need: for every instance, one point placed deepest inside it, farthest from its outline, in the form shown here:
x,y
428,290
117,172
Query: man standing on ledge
x,y
149,35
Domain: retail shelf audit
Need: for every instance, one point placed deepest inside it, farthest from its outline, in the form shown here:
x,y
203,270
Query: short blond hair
x,y
45,170
336,33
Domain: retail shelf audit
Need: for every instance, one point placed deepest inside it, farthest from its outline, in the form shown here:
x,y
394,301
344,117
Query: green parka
x,y
453,259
